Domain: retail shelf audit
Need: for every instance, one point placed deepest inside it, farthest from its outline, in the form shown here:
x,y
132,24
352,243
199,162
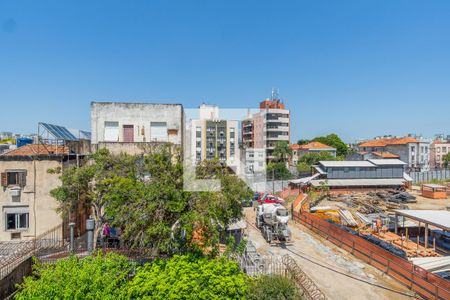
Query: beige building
x,y
214,138
27,208
438,149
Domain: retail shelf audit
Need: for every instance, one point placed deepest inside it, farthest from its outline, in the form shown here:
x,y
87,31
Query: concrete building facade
x,y
129,127
27,208
264,129
415,152
214,138
438,149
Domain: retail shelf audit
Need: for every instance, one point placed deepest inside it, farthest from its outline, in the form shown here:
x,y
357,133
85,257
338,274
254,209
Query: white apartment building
x,y
128,127
264,129
214,138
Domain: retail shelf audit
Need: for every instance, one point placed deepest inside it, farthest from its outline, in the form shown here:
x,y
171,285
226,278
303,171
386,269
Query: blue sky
x,y
356,68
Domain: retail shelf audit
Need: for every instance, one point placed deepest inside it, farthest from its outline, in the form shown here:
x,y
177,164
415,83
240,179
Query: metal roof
x,y
346,163
438,218
59,132
385,162
304,179
435,186
432,264
358,182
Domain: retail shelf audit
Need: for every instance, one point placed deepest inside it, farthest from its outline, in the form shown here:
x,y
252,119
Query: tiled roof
x,y
38,149
315,145
388,141
295,146
386,154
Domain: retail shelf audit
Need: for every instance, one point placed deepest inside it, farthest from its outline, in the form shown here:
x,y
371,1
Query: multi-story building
x,y
214,138
130,127
27,208
438,149
264,129
415,152
313,147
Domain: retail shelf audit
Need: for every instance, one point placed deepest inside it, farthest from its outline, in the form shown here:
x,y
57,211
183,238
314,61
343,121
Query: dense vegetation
x,y
112,276
332,140
94,277
144,195
277,169
309,159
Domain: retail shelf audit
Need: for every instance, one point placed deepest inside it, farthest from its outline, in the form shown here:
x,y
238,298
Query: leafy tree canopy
x,y
334,141
446,159
94,277
278,171
189,277
282,151
145,197
313,158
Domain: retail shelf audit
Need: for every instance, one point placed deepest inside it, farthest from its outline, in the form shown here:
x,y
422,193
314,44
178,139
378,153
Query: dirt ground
x,y
335,286
426,203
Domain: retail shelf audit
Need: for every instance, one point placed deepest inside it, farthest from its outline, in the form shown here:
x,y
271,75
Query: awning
x,y
358,182
438,218
304,179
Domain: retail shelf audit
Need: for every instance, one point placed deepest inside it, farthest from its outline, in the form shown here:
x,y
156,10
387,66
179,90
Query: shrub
x,y
188,277
94,277
273,287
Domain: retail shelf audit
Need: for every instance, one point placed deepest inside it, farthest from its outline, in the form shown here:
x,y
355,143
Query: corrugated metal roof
x,y
346,163
358,182
384,162
438,218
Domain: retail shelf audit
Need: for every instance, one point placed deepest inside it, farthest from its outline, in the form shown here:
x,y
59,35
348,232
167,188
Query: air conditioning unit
x,y
14,193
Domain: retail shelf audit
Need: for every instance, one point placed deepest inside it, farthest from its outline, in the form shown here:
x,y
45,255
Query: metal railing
x,y
50,240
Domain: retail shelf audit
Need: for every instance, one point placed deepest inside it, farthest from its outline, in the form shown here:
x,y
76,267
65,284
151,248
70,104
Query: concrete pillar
x,y
72,236
396,223
90,225
426,235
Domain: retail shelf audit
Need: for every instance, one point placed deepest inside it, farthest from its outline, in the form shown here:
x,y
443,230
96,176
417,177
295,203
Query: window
x,y
444,149
412,149
15,221
158,132
14,178
111,133
438,150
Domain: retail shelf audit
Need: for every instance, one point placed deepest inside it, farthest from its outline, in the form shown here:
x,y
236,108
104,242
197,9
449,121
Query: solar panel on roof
x,y
59,132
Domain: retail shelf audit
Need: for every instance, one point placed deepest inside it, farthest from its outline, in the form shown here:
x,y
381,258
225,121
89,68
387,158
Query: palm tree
x,y
282,151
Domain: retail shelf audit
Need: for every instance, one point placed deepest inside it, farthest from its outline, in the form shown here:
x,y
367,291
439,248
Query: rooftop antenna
x,y
274,94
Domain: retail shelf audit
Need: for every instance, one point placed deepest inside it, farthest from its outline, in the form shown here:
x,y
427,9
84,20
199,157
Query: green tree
x,y
334,141
91,184
446,159
145,197
303,142
188,277
278,171
273,287
313,158
282,151
94,277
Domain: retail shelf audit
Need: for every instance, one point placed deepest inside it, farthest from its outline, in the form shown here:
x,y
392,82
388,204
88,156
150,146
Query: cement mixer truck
x,y
272,219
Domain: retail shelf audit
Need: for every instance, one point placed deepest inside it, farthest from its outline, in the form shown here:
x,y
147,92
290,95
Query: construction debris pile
x,y
373,202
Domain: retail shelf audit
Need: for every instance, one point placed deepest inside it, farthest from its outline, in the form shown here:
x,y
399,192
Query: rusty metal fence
x,y
51,240
424,283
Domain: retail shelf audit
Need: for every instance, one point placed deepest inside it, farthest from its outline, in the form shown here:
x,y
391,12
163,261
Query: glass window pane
x,y
23,221
10,221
